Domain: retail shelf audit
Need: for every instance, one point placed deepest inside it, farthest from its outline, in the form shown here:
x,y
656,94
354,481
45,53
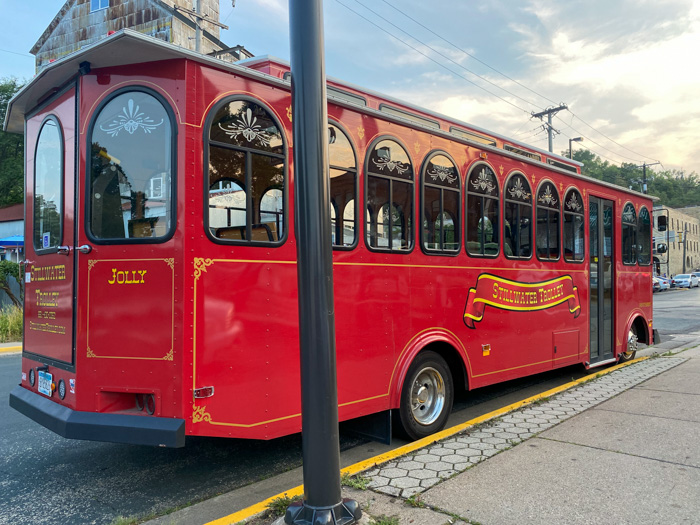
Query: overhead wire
x,y
433,60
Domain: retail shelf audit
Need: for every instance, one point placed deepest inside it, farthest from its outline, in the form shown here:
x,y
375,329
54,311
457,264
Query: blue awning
x,y
12,241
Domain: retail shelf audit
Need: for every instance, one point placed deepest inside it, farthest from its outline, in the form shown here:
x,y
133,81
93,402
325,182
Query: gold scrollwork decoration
x,y
361,132
200,265
500,169
533,179
168,356
417,147
200,414
289,113
90,353
91,264
170,262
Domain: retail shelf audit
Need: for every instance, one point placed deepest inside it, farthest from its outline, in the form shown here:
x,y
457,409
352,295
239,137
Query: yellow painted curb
x,y
350,470
8,349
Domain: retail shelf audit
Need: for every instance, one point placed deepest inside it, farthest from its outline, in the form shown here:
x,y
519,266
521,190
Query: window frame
x,y
421,204
582,214
358,231
213,110
59,127
174,130
634,227
467,193
650,235
506,200
99,8
412,181
559,224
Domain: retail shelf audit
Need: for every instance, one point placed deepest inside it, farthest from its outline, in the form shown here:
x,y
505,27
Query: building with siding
x,y
82,22
682,238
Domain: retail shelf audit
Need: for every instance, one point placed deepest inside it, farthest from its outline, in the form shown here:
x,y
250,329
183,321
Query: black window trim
x,y
365,164
532,208
59,127
421,203
583,215
248,151
559,225
622,233
651,235
173,172
471,169
358,231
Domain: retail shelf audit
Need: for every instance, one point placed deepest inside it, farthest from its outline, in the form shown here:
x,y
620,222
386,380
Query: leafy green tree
x,y
674,188
11,151
7,269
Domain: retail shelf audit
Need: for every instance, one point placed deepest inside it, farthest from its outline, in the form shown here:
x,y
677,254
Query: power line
x,y
466,52
432,59
444,56
15,53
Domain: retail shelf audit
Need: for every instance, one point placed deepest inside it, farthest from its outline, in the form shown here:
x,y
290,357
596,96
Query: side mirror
x,y
661,248
662,224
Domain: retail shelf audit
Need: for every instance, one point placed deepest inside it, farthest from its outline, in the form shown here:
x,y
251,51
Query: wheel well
x,y
454,362
642,331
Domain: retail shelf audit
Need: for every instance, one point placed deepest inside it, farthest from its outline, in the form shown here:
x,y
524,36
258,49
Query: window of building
x,y
96,5
573,226
131,170
48,186
644,237
547,230
442,186
246,183
482,212
389,197
343,172
517,217
629,234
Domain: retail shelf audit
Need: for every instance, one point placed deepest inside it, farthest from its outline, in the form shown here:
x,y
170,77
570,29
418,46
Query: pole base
x,y
344,513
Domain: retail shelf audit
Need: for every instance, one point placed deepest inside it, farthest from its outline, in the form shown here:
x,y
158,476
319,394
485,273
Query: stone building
x,y
682,238
83,22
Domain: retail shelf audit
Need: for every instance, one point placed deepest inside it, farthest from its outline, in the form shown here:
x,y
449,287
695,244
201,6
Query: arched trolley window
x,y
629,234
131,173
48,187
573,226
517,218
644,237
389,190
343,173
482,212
246,184
548,219
441,205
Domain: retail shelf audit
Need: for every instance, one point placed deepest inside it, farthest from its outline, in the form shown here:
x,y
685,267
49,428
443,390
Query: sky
x,y
628,70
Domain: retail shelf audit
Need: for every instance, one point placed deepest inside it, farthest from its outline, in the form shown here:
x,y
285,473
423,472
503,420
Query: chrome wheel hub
x,y
632,343
427,396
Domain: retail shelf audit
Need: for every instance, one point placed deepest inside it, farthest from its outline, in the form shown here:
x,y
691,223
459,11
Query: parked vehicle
x,y
655,285
685,280
664,283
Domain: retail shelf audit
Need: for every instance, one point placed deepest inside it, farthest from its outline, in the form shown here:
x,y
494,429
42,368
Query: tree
x,y
11,151
7,269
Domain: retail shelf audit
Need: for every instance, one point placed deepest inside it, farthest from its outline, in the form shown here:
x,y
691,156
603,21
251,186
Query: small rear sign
x,y
45,383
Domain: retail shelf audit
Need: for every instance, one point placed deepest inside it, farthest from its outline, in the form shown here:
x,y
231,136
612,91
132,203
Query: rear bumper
x,y
115,428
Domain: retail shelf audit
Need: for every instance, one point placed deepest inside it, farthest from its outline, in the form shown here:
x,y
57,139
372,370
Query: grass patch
x,y
121,520
384,520
416,501
278,506
359,482
11,324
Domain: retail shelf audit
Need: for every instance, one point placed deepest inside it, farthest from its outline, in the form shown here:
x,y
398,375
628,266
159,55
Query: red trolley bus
x,y
161,297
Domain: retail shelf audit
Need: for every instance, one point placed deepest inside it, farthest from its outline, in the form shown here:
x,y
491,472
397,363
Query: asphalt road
x,y
50,480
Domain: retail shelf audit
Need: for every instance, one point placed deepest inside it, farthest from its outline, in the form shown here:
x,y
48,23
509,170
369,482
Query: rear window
x,y
48,184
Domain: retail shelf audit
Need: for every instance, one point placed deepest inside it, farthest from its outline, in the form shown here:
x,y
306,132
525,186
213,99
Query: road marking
x,y
350,470
8,349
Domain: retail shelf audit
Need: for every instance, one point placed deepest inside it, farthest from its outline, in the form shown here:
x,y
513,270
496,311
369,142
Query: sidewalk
x,y
10,348
622,448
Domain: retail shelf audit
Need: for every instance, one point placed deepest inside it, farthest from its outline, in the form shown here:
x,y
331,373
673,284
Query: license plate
x,y
45,380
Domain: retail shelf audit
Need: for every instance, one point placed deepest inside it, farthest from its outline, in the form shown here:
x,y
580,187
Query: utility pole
x,y
685,235
644,179
549,112
323,503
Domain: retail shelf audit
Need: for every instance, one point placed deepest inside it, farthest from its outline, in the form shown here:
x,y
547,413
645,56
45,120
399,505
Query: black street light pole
x,y
575,139
323,503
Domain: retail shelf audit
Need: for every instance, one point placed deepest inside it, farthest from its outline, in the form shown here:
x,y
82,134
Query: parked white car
x,y
685,280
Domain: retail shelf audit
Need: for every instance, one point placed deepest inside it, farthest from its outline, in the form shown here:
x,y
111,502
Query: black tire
x,y
427,395
632,346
